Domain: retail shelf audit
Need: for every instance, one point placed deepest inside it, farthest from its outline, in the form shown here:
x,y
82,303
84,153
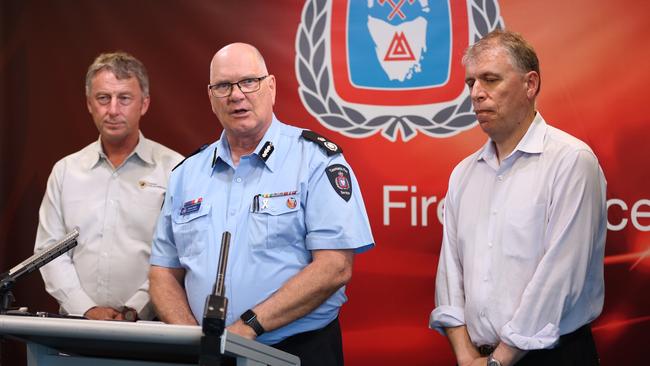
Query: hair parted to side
x,y
122,65
521,53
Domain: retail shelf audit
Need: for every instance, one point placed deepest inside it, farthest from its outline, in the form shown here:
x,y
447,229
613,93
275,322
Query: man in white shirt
x,y
112,190
520,276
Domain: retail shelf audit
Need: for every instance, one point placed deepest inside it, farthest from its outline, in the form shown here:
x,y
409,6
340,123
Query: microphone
x,y
214,313
45,255
31,264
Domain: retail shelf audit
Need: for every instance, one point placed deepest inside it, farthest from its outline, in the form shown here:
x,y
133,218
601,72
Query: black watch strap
x,y
250,318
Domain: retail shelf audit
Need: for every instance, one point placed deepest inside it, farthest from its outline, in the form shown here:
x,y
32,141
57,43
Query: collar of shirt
x,y
95,154
271,136
531,143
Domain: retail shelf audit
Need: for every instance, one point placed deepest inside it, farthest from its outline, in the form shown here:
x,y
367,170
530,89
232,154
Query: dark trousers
x,y
574,349
321,347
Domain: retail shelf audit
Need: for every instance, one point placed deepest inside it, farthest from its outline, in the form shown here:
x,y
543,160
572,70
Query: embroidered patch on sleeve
x,y
339,177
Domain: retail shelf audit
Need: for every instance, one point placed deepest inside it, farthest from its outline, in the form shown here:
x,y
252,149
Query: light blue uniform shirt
x,y
298,209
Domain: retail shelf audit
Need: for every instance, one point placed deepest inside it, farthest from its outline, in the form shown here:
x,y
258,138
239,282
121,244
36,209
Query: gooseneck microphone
x,y
214,313
36,261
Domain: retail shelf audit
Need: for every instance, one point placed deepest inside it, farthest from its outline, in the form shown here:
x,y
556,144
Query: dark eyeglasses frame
x,y
259,84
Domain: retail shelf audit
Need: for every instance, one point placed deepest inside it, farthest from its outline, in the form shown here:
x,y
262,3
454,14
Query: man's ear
x,y
272,87
145,105
532,84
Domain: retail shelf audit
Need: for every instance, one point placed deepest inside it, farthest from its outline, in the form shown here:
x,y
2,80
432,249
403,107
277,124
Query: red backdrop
x,y
594,56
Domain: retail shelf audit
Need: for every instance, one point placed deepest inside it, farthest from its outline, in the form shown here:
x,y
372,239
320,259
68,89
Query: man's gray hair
x,y
521,53
122,65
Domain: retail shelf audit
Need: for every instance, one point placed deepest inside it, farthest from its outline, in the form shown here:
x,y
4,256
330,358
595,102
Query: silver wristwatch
x,y
491,361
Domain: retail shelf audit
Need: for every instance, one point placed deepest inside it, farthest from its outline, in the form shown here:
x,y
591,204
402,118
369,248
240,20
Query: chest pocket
x,y
523,233
278,222
191,231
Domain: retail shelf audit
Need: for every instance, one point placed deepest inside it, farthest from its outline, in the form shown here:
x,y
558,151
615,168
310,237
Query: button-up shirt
x,y
278,203
115,209
523,242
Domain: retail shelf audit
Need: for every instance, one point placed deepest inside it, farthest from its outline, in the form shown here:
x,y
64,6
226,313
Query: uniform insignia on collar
x,y
339,177
266,150
203,147
328,146
214,157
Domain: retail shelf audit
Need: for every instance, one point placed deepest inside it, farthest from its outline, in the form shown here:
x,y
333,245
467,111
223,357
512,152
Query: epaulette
x,y
328,146
203,147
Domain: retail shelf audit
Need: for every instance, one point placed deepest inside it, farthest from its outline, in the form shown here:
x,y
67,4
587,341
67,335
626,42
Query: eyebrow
x,y
223,81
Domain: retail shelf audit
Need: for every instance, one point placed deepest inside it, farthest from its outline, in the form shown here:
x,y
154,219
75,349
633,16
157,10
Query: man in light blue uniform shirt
x,y
293,206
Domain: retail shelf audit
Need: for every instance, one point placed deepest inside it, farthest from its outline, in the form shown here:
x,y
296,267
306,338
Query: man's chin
x,y
114,136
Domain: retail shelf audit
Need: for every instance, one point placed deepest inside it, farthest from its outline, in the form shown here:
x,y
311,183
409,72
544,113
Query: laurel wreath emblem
x,y
315,91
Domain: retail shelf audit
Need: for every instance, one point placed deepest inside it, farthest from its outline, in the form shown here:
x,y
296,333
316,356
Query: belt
x,y
487,349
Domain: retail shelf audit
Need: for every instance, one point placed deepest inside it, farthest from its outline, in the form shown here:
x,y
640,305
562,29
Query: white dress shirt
x,y
116,210
523,242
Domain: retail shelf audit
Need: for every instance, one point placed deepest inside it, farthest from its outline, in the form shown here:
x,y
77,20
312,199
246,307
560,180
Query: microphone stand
x,y
6,297
214,313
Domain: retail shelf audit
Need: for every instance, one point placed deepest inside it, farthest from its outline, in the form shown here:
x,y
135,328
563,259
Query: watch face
x,y
129,314
492,362
248,315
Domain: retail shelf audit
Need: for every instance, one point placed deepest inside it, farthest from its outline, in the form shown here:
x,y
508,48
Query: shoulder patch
x,y
339,177
328,146
203,147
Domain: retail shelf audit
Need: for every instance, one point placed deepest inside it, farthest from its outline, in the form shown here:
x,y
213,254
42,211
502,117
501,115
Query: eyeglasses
x,y
249,85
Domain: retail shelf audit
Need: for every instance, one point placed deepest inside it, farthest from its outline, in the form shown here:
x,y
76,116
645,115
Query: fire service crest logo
x,y
394,66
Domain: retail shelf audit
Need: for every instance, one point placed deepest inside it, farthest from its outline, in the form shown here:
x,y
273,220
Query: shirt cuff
x,y
165,261
77,303
446,316
141,303
547,337
313,242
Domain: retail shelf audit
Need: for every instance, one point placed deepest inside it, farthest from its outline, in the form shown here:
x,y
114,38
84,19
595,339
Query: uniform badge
x,y
291,202
339,177
191,206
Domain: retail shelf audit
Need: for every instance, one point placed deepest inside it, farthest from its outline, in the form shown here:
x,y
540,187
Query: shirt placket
x,y
491,249
237,207
108,238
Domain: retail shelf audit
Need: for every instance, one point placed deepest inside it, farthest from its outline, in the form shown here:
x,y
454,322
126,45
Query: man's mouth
x,y
239,112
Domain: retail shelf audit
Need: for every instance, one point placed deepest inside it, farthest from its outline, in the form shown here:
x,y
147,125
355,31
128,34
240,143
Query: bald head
x,y
237,51
245,114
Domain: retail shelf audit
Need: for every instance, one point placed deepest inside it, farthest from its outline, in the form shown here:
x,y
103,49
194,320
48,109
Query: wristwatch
x,y
129,314
250,318
491,361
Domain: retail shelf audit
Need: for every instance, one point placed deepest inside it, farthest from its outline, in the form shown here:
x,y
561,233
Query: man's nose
x,y
476,91
236,93
114,106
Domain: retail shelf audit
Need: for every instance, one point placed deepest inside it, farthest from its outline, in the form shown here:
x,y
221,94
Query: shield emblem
x,y
398,52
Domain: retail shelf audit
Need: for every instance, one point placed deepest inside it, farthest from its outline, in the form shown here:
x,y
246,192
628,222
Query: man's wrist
x,y
507,355
250,318
491,361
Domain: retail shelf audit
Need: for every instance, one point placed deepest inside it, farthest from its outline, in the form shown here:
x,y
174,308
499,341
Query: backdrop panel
x,y
403,127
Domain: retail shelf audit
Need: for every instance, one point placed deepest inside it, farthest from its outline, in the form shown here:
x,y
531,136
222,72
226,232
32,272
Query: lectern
x,y
76,342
